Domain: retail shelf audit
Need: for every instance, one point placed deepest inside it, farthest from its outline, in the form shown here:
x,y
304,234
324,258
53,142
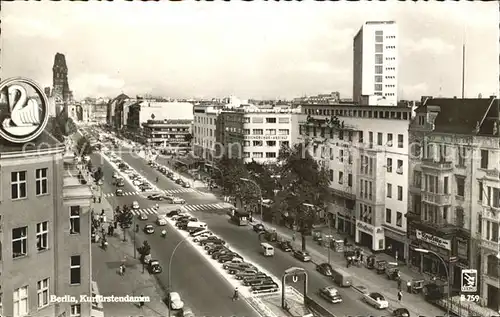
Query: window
x,y
270,154
257,120
370,139
379,138
42,235
18,185
341,177
246,143
349,180
400,167
283,132
42,290
481,191
389,165
341,155
389,190
378,87
389,139
270,131
399,219
460,186
460,218
461,156
246,131
41,181
76,311
360,137
388,215
331,175
378,69
246,154
341,135
20,301
284,143
417,179
284,120
378,79
400,141
258,132
445,185
19,242
257,155
74,270
484,159
74,219
379,58
271,143
378,49
270,120
400,193
257,143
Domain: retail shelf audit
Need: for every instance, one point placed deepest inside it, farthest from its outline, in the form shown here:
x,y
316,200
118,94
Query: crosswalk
x,y
201,207
166,191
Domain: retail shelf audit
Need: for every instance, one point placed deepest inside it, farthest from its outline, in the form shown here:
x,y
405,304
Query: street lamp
x,y
260,194
425,251
170,271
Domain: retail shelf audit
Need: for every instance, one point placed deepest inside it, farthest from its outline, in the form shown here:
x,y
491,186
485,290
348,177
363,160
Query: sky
x,y
254,49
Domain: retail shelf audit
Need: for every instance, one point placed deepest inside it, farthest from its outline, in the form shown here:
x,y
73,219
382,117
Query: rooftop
x,y
43,142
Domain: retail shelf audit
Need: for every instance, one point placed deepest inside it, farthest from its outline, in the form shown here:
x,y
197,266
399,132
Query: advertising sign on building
x,y
266,137
437,241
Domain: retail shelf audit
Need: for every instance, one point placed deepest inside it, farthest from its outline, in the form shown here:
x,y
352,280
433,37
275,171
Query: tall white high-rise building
x,y
375,71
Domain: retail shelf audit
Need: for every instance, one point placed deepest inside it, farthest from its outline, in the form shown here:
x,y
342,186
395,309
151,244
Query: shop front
x,y
369,236
396,244
345,224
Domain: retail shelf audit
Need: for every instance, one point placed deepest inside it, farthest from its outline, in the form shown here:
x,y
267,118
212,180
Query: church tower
x,y
60,86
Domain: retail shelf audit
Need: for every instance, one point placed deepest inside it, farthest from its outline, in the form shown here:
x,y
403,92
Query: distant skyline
x,y
270,50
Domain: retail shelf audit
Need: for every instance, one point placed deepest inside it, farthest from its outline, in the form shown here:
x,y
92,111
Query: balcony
x,y
489,245
436,199
431,164
415,188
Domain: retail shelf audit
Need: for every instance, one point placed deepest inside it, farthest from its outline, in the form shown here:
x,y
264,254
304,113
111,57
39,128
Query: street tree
x,y
304,186
263,176
98,174
231,172
144,250
125,219
83,146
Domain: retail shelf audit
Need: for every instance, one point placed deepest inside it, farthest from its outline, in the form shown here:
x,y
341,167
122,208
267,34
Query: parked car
x,y
259,227
258,281
187,312
209,239
221,242
248,274
149,229
234,268
186,185
231,258
175,301
216,250
154,267
285,245
175,200
178,181
202,236
376,300
143,216
325,269
401,312
302,255
331,294
135,205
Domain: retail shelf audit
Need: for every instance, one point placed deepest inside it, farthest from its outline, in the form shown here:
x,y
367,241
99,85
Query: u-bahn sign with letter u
x,y
24,110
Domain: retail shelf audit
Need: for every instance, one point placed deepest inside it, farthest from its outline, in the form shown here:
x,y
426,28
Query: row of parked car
x,y
249,275
165,171
136,178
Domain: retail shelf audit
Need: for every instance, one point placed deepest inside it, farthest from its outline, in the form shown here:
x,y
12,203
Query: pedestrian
x,y
236,294
293,237
122,269
399,284
400,296
100,198
408,286
93,198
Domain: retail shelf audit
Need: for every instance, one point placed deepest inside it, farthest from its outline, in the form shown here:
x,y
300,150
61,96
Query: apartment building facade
x,y
229,133
454,195
365,150
168,134
375,69
204,133
44,219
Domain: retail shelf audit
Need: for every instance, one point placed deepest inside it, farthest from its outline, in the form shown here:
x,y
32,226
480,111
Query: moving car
x,y
302,255
136,182
172,213
186,185
120,182
175,200
119,192
154,267
115,175
331,294
258,227
143,216
174,300
135,205
401,312
285,245
161,220
376,300
325,269
157,196
178,181
149,229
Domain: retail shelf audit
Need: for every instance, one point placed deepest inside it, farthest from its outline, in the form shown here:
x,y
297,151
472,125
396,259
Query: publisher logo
x,y
469,280
23,110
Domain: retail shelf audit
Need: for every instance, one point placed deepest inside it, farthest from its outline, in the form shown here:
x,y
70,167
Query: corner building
x,y
366,154
44,231
454,192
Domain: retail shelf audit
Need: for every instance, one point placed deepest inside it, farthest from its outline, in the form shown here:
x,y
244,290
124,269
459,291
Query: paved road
x,y
198,283
245,241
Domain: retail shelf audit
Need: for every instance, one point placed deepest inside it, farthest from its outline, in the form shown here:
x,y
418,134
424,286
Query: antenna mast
x,y
463,64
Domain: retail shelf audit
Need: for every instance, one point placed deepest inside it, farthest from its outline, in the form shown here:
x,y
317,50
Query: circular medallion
x,y
24,111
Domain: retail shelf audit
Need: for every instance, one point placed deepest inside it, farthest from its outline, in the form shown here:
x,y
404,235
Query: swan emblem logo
x,y
23,116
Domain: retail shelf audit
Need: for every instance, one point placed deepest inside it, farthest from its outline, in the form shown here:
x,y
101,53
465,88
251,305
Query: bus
x,y
239,217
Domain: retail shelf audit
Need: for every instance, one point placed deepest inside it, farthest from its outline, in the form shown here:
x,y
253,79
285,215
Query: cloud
x,y
22,26
427,45
96,83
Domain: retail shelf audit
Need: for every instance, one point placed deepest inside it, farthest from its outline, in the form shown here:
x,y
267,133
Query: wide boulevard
x,y
246,242
196,280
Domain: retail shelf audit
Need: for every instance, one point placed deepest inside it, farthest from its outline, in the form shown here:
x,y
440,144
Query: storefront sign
x,y
24,116
266,137
365,227
437,241
462,248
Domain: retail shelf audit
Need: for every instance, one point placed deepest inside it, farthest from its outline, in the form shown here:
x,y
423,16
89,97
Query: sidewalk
x,y
364,279
105,266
